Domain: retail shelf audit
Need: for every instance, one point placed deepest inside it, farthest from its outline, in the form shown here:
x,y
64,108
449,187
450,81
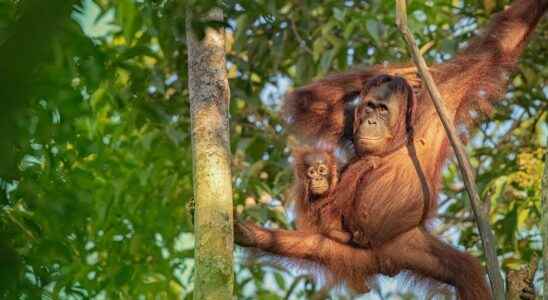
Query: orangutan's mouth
x,y
371,139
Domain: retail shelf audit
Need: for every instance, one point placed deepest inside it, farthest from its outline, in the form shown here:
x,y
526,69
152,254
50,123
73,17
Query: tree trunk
x,y
545,224
209,98
519,281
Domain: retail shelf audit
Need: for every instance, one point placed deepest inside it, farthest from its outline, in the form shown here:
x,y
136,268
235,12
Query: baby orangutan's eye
x,y
322,170
383,109
311,172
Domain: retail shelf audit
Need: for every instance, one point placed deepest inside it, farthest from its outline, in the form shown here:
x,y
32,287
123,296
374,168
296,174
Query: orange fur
x,y
318,215
307,209
389,204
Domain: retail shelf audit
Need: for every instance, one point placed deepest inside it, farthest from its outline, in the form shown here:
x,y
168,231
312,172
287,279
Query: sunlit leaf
x,y
95,23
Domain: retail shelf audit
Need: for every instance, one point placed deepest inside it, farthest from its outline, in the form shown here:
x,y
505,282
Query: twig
x,y
484,227
23,228
517,123
450,217
301,41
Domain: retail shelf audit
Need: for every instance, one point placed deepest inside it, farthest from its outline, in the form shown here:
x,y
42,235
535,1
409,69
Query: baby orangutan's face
x,y
317,173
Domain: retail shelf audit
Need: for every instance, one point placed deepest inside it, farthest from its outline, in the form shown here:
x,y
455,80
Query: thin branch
x,y
459,219
487,237
23,228
517,123
301,41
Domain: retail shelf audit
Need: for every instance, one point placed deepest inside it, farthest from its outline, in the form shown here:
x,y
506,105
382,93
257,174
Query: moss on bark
x,y
209,99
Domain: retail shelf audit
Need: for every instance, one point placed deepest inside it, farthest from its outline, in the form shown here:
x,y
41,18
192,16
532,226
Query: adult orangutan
x,y
386,207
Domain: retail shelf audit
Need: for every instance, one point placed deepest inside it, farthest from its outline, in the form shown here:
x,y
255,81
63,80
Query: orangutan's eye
x,y
383,108
311,172
322,170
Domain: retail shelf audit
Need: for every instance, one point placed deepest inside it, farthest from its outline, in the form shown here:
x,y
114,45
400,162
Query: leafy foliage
x,y
98,200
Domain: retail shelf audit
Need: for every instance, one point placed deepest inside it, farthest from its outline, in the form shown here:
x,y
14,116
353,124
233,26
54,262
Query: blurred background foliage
x,y
95,163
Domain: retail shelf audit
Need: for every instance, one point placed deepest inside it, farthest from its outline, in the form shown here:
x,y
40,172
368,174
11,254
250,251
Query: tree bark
x,y
209,99
520,282
545,224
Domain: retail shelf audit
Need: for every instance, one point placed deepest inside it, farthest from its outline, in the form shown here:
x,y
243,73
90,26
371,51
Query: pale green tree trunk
x,y
209,99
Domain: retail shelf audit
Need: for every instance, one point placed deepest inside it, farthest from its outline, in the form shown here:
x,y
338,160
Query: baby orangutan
x,y
316,175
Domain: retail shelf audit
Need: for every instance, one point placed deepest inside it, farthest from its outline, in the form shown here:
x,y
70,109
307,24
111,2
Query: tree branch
x,y
300,40
484,227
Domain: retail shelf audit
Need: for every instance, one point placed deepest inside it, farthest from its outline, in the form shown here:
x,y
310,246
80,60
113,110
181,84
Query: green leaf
x,y
128,18
327,58
95,23
123,277
280,281
374,29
